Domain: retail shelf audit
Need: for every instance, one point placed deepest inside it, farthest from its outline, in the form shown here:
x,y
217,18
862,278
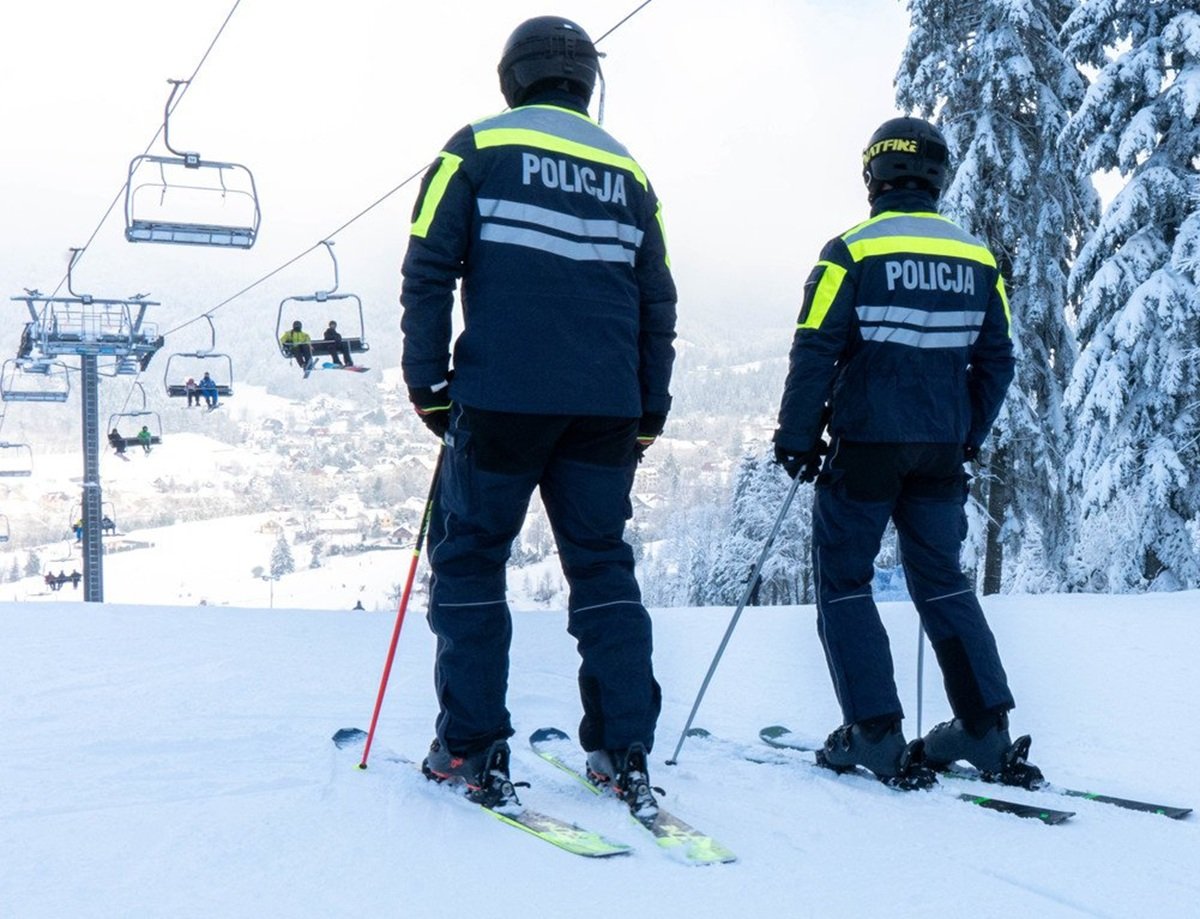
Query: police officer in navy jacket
x,y
560,381
903,344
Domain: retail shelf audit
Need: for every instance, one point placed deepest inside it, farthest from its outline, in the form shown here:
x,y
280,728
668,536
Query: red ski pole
x,y
412,571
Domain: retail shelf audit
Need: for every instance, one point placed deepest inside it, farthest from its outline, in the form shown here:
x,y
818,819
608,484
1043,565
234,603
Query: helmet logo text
x,y
891,145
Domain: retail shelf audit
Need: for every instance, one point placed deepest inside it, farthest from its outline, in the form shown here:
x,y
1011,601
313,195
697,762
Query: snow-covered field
x,y
176,761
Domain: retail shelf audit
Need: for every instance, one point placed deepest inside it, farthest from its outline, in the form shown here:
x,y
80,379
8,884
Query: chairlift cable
x,y
153,140
378,201
622,22
328,236
360,214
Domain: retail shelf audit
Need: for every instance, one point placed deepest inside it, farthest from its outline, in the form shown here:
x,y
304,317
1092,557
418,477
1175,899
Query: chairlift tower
x,y
90,328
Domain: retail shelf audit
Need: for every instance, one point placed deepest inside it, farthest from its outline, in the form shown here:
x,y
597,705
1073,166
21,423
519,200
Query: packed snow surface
x,y
176,761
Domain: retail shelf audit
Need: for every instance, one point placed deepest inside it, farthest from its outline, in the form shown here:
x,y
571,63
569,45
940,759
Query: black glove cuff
x,y
651,424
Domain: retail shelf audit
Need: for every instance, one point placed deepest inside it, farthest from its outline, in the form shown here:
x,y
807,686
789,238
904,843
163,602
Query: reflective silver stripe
x,y
478,603
917,339
926,318
557,220
589,251
932,225
599,605
557,121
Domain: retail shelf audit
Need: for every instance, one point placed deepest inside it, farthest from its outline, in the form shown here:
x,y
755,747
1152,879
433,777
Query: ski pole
x,y
750,587
412,571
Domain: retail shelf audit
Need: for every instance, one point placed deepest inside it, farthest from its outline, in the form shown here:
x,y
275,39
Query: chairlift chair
x,y
5,533
143,417
106,514
184,364
344,304
34,380
185,200
70,552
15,459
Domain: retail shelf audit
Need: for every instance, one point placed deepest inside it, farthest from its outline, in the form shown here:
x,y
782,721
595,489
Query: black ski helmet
x,y
547,48
906,149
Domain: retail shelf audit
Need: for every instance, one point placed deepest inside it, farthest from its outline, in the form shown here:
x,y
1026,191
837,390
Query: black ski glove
x,y
804,464
432,404
649,427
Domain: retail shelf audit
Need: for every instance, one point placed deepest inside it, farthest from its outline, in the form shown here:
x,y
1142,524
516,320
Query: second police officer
x,y
904,333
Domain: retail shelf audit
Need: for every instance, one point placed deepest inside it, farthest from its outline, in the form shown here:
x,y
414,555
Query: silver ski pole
x,y
750,586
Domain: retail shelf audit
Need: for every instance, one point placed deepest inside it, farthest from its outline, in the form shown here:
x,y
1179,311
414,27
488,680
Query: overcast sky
x,y
748,117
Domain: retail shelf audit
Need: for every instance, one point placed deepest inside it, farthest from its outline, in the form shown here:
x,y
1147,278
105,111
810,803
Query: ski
x,y
353,368
559,833
1044,814
781,738
1166,810
971,774
672,835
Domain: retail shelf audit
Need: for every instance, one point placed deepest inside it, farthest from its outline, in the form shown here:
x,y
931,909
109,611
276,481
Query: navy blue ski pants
x,y
922,488
583,466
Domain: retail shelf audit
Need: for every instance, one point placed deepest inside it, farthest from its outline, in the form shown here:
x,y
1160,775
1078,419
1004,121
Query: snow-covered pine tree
x,y
993,75
675,571
281,558
1135,391
759,490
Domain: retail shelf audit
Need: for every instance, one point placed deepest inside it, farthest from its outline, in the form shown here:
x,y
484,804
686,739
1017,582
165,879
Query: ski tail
x,y
676,838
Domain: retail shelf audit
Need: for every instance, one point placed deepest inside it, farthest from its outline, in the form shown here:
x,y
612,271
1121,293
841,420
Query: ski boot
x,y
880,748
624,772
485,775
986,745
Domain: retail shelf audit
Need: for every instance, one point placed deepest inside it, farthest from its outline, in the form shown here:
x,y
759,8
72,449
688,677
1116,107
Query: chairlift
x,y
70,552
346,310
34,380
143,417
108,522
185,200
60,580
194,364
15,459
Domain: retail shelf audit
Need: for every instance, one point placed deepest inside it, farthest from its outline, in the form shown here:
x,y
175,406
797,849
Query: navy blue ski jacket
x,y
567,297
904,331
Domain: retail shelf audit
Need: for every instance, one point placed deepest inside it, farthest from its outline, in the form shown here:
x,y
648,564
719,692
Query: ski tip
x,y
774,732
543,735
697,732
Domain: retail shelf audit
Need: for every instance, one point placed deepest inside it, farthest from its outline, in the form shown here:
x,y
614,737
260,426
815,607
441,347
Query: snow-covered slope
x,y
176,761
